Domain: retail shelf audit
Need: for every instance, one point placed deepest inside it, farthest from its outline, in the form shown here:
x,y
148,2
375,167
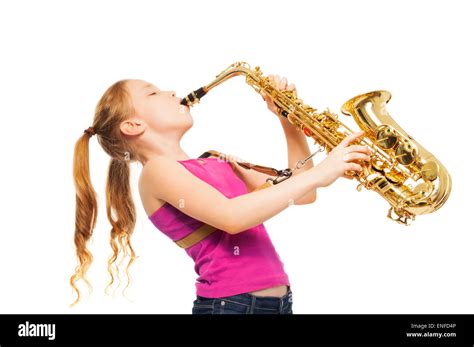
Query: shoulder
x,y
156,165
157,169
158,161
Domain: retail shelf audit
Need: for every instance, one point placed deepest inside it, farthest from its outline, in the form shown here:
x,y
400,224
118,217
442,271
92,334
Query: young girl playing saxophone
x,y
239,269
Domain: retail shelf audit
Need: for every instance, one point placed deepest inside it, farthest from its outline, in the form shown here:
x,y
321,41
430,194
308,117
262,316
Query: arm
x,y
256,207
297,146
298,149
173,183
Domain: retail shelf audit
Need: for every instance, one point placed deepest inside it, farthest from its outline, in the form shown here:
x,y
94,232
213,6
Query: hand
x,y
340,160
280,84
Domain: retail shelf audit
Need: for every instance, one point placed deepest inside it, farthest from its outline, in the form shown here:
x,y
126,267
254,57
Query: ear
x,y
132,127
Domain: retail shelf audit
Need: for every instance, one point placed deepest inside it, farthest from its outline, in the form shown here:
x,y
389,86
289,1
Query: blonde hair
x,y
114,107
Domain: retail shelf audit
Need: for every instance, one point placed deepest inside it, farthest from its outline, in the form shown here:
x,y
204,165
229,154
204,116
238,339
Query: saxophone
x,y
400,170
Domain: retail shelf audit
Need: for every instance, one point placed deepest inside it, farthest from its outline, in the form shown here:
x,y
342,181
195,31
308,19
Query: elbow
x,y
308,199
312,198
233,227
231,230
231,223
235,222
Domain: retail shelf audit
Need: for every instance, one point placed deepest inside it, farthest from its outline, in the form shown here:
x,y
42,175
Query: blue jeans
x,y
244,304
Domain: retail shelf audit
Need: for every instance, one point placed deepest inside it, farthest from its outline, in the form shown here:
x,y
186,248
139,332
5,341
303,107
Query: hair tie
x,y
90,131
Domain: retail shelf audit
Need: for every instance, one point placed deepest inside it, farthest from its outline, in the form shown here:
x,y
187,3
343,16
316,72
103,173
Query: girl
x,y
239,269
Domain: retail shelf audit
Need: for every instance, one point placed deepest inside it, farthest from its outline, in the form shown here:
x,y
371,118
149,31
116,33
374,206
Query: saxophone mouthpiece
x,y
194,97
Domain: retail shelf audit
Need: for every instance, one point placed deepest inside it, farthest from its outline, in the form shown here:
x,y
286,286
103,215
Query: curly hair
x,y
114,107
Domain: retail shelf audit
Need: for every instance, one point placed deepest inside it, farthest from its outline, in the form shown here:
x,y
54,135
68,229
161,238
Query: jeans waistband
x,y
258,301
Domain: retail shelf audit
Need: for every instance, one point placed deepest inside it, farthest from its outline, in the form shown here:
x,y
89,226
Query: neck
x,y
159,147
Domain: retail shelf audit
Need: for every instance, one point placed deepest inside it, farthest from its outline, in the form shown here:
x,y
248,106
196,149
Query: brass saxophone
x,y
404,173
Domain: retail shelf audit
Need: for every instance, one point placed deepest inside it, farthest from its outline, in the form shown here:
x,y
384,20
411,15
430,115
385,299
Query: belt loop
x,y
252,303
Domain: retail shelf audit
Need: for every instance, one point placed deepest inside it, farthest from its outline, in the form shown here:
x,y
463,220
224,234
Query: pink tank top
x,y
226,264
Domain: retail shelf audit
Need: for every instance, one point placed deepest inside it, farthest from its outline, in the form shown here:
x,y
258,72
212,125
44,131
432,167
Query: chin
x,y
188,122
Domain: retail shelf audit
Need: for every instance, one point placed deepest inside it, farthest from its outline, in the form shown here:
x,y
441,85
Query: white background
x,y
342,254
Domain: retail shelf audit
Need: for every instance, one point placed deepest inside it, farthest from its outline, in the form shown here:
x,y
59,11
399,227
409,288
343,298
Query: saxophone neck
x,y
236,69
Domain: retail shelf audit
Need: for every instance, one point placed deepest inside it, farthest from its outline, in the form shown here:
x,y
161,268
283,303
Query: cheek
x,y
164,117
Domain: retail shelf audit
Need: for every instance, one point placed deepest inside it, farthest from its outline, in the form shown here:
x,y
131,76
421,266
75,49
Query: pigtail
x,y
121,214
86,212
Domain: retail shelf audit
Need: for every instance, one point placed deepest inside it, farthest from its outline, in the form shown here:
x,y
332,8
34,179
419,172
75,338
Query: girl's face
x,y
160,110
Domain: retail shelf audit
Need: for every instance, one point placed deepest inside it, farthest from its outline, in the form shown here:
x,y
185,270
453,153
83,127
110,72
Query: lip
x,y
183,108
180,100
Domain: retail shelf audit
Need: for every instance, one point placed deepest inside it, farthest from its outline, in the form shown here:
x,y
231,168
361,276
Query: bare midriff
x,y
277,291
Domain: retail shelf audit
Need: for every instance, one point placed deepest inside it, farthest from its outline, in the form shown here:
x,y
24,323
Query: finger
x,y
271,78
349,177
345,142
277,80
283,83
358,148
355,156
291,87
353,167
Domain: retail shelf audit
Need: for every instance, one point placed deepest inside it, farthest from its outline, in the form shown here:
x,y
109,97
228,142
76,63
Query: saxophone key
x,y
386,137
406,153
430,170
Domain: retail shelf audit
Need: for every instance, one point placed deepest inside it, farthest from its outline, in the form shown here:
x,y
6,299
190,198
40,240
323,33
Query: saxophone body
x,y
411,179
